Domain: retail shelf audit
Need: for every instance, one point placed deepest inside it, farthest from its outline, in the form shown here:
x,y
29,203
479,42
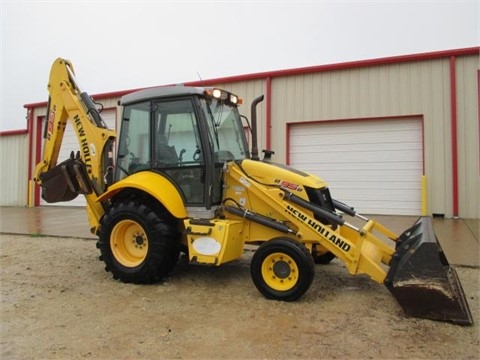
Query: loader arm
x,y
411,265
89,171
360,249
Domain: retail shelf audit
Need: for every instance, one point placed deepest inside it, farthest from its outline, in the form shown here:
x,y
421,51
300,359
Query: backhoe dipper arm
x,y
89,170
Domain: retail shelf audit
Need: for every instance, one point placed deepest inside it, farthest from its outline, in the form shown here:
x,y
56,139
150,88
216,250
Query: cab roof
x,y
161,92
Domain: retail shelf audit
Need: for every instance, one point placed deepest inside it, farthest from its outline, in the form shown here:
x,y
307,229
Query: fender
x,y
154,184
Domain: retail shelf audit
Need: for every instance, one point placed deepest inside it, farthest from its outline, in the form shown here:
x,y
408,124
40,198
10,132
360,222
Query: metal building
x,y
378,131
14,167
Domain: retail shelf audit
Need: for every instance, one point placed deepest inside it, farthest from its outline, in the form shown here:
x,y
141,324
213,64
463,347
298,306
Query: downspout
x,y
478,114
453,114
38,151
30,186
424,181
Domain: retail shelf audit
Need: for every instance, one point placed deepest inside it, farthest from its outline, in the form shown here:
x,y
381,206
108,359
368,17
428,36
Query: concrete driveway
x,y
459,238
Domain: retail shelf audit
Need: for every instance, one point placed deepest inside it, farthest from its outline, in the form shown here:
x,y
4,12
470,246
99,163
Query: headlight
x,y
233,99
217,93
223,95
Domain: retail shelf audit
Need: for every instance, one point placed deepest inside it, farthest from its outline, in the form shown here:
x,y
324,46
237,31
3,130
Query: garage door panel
x,y
376,128
353,167
357,169
369,140
399,210
362,180
326,171
332,155
374,193
375,166
347,139
357,137
345,194
386,208
325,147
355,150
377,178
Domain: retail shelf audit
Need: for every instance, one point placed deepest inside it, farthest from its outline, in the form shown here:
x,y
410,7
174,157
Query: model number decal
x,y
288,185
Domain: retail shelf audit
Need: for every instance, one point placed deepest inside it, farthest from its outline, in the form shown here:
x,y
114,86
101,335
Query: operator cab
x,y
185,134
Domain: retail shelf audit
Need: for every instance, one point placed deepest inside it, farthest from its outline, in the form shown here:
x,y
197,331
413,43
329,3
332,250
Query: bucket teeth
x,y
421,279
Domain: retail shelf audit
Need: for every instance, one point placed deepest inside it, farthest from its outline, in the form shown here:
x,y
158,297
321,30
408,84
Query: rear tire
x,y
138,242
282,269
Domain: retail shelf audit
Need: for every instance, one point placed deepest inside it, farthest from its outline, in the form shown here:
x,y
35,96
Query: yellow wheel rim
x,y
280,271
129,243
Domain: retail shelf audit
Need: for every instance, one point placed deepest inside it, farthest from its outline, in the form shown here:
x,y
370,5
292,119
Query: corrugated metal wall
x,y
415,88
468,135
419,87
14,173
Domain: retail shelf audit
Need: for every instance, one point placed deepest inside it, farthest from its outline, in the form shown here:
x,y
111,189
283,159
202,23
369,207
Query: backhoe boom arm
x,y
89,170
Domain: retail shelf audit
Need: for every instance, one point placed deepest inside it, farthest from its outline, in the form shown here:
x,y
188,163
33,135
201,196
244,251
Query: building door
x,y
372,165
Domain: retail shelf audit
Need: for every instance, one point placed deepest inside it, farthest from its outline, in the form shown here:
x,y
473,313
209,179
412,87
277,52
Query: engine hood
x,y
279,174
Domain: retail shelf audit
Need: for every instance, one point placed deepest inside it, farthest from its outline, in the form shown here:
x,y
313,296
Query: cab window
x,y
177,148
134,142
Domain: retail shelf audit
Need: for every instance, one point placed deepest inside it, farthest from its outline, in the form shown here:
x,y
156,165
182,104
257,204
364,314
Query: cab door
x,y
177,148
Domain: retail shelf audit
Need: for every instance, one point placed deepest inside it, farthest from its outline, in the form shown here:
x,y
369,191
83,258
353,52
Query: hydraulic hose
x,y
332,217
87,100
344,207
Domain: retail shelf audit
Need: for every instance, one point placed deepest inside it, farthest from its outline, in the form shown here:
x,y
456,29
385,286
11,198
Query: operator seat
x,y
165,155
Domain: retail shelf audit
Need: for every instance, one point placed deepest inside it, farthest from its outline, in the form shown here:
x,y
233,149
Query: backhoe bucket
x,y
65,181
421,279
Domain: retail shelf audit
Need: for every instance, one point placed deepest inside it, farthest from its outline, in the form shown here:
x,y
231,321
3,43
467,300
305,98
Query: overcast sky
x,y
121,45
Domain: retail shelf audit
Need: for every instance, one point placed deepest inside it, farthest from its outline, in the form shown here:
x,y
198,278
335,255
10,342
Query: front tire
x,y
282,269
138,242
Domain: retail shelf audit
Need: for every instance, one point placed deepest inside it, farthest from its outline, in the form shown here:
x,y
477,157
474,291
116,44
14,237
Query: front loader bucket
x,y
421,279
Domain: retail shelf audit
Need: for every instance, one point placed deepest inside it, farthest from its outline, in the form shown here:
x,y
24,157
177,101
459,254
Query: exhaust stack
x,y
253,110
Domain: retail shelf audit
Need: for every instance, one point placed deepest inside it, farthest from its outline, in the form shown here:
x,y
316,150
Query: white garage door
x,y
69,144
374,166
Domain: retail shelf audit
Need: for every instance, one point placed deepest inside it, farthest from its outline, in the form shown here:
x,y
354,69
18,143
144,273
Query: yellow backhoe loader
x,y
180,178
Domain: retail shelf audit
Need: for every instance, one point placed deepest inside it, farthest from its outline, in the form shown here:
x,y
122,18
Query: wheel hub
x,y
139,240
281,269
